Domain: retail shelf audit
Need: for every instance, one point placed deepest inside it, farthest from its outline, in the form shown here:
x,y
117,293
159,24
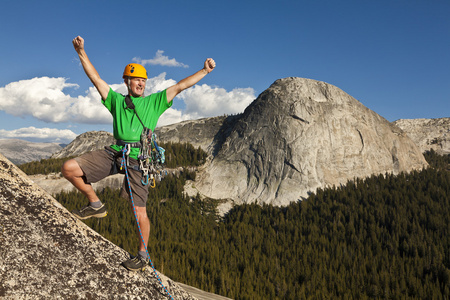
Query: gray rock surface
x,y
428,133
300,135
201,133
46,253
54,183
201,295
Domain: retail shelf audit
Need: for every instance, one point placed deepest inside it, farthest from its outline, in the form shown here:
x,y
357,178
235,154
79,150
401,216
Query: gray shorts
x,y
100,164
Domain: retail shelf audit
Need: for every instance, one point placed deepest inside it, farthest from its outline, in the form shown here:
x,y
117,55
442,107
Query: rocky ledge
x,y
46,253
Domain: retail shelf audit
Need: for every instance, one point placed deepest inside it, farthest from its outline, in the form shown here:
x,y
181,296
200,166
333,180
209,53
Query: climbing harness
x,y
124,165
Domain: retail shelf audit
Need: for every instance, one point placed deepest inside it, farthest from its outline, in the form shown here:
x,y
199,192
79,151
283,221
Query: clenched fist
x,y
210,64
78,43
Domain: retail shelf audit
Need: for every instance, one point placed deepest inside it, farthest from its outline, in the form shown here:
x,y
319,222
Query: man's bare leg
x,y
140,261
73,173
144,223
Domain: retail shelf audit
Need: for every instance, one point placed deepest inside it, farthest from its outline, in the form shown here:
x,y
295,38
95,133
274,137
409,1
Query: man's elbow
x,y
180,87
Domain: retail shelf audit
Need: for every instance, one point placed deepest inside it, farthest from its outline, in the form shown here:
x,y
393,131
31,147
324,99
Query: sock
x,y
142,254
97,204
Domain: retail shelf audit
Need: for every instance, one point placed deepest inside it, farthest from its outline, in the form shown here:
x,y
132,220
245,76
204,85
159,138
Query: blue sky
x,y
393,56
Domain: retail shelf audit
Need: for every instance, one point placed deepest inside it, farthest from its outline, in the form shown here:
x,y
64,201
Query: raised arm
x,y
174,90
101,86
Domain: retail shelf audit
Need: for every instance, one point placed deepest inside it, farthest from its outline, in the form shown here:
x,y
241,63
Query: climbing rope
x,y
124,150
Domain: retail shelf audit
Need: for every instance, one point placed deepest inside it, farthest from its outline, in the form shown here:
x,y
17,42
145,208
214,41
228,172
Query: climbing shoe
x,y
89,212
135,264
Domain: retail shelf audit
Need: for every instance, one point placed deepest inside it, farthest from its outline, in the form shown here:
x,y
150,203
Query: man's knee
x,y
71,168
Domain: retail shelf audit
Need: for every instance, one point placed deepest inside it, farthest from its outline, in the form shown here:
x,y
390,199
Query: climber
x,y
127,128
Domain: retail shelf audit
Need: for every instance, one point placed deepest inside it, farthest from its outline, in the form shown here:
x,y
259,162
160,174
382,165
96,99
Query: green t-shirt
x,y
126,125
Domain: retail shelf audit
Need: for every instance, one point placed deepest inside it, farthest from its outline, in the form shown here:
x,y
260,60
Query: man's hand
x,y
187,82
78,43
210,64
101,86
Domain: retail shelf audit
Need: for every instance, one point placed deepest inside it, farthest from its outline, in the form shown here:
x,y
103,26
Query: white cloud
x,y
171,116
44,99
41,98
44,134
88,109
158,83
206,101
161,60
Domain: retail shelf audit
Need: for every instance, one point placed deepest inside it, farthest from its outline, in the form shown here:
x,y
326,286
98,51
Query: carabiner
x,y
146,180
154,182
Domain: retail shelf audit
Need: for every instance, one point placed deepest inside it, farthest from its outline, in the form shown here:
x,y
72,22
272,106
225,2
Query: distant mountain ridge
x,y
20,151
428,133
86,142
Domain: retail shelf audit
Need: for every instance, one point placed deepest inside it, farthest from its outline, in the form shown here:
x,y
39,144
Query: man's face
x,y
136,86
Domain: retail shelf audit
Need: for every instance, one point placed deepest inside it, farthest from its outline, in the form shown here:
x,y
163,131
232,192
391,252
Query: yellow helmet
x,y
135,70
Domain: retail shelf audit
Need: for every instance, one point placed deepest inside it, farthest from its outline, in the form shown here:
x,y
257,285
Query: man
x,y
127,126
